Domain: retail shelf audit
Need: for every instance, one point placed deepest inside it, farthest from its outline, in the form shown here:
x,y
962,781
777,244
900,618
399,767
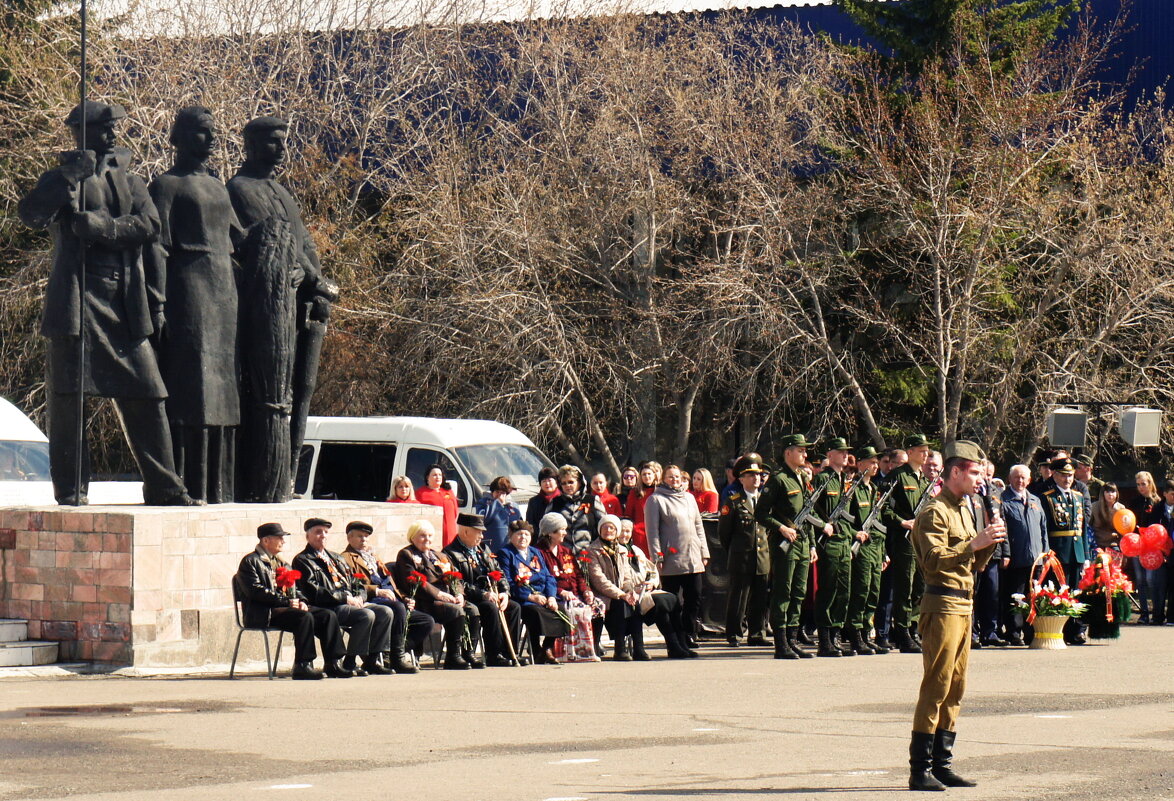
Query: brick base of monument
x,y
151,586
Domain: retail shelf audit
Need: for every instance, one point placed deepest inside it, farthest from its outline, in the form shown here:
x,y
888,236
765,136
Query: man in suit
x,y
747,546
101,217
409,624
1027,538
265,605
1067,513
487,597
328,581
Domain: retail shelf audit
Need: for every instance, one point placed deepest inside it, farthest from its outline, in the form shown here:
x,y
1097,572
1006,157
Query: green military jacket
x,y
904,499
942,539
781,502
744,538
864,495
1067,513
834,485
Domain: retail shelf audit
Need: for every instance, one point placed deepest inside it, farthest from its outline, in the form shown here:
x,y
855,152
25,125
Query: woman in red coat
x,y
634,509
605,502
704,491
435,493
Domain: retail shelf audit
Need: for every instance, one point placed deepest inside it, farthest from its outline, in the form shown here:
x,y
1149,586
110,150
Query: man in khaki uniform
x,y
948,548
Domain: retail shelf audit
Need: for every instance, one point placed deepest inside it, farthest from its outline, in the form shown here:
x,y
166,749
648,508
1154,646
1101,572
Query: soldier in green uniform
x,y
870,556
1092,484
898,519
949,549
748,547
1068,514
834,565
782,501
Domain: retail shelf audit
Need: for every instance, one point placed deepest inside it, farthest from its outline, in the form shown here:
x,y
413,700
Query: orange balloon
x,y
1124,521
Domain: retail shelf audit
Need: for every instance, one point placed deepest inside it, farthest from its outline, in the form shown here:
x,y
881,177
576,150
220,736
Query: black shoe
x,y
473,661
305,671
621,655
1015,639
733,642
905,642
499,661
1079,639
399,662
757,641
373,665
975,642
994,641
640,655
942,755
350,663
454,662
883,642
921,748
336,671
689,642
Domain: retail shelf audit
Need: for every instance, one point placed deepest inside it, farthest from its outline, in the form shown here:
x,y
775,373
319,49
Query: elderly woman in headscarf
x,y
575,598
611,576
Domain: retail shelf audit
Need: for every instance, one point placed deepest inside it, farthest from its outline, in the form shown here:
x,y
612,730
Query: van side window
x,y
305,459
420,459
354,471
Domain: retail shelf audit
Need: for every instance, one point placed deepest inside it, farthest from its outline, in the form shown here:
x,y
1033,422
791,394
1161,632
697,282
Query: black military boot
x,y
803,637
398,660
827,644
793,639
920,763
943,755
783,649
638,652
876,646
620,652
336,671
858,643
840,641
373,664
904,641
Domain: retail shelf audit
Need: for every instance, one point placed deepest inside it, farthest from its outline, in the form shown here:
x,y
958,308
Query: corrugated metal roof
x,y
203,17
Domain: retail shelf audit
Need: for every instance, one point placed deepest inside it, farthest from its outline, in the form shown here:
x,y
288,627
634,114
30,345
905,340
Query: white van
x,y
355,458
24,467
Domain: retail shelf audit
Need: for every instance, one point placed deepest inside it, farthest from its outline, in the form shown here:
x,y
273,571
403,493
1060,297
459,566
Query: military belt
x,y
1068,533
953,592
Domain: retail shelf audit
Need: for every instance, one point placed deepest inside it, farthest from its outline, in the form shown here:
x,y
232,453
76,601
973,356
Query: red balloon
x,y
1152,560
1154,538
1131,544
1124,520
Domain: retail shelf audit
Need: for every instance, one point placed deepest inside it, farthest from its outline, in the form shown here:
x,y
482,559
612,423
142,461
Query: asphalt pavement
x,y
1095,722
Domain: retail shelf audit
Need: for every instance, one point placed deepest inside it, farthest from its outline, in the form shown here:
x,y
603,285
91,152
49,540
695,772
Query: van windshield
x,y
520,462
24,461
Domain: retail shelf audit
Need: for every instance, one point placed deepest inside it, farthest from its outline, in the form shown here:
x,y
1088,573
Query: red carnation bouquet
x,y
416,580
286,579
1106,590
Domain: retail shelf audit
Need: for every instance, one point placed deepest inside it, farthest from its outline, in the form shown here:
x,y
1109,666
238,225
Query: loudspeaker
x,y
1066,428
1141,428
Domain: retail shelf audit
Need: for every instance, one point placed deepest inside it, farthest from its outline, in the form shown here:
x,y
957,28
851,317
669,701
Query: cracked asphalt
x,y
1091,723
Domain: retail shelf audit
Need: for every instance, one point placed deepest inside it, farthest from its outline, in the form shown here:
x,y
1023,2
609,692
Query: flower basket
x,y
1049,632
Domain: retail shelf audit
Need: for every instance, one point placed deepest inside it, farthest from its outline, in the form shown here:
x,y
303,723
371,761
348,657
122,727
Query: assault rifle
x,y
925,498
840,510
870,522
806,512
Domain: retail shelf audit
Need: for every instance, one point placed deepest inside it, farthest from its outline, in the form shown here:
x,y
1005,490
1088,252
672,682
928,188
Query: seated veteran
x,y
409,624
328,581
487,594
266,605
575,597
532,586
419,574
610,573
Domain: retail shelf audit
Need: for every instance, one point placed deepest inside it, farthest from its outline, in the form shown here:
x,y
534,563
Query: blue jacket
x,y
498,517
1027,529
541,581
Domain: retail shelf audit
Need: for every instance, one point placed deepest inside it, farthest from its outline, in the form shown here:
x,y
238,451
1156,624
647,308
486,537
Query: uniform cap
x,y
471,520
795,441
315,521
271,530
1063,466
1082,459
965,449
837,444
866,452
95,111
917,441
359,525
750,463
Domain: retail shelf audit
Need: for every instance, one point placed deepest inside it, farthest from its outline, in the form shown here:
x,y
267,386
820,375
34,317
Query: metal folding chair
x,y
238,595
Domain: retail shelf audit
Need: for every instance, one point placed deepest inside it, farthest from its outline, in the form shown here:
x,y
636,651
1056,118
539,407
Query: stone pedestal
x,y
151,586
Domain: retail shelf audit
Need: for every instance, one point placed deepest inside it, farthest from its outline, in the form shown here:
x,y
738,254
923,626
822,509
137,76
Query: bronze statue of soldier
x,y
101,216
198,350
285,305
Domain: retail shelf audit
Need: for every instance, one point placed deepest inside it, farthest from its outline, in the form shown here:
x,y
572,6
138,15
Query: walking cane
x,y
505,632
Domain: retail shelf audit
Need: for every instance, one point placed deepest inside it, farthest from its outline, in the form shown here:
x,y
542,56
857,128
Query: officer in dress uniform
x,y
948,548
835,552
1067,512
898,518
748,546
791,547
870,556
